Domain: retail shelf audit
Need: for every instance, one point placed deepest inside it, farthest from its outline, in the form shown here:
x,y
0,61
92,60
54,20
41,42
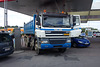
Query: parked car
x,y
97,34
6,44
80,42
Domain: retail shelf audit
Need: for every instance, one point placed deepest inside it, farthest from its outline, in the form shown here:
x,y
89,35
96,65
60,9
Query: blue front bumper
x,y
47,46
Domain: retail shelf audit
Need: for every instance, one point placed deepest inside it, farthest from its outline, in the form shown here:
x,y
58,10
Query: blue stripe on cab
x,y
57,29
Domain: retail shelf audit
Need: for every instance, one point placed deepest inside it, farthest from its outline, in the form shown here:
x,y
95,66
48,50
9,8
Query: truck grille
x,y
57,33
57,41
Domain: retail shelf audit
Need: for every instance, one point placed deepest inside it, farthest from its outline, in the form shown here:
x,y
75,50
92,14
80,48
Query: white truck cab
x,y
52,30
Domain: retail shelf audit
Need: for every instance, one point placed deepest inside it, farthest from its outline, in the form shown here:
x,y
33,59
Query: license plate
x,y
7,49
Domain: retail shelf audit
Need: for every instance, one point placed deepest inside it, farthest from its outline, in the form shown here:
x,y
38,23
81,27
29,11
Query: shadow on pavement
x,y
3,59
51,52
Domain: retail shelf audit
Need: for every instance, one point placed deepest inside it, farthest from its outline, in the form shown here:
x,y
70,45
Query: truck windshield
x,y
49,21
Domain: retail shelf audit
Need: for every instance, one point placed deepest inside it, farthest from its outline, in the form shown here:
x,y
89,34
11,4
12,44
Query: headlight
x,y
44,41
68,40
80,41
85,38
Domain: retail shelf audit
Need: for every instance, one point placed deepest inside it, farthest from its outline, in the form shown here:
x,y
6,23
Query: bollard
x,y
17,35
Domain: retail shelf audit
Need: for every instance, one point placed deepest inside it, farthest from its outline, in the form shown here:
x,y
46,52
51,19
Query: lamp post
x,y
5,15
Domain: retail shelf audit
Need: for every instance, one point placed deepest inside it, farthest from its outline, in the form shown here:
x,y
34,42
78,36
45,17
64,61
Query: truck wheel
x,y
33,46
62,49
28,44
37,50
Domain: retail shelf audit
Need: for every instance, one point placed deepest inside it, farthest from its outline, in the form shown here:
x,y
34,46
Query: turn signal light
x,y
66,34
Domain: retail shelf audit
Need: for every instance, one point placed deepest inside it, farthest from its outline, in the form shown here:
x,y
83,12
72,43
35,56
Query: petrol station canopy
x,y
92,15
30,7
78,7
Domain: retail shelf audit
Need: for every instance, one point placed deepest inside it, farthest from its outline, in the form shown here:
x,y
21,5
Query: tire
x,y
33,46
25,43
62,49
37,50
74,45
28,44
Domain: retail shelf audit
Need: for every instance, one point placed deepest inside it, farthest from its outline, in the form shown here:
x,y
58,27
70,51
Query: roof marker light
x,y
62,12
44,11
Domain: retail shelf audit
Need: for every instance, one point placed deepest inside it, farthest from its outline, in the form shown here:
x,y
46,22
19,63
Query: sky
x,y
96,4
15,18
93,24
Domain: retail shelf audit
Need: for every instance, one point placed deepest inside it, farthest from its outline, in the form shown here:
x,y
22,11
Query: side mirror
x,y
45,18
74,18
37,23
37,20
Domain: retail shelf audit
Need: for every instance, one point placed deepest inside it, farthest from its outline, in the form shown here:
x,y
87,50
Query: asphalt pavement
x,y
73,57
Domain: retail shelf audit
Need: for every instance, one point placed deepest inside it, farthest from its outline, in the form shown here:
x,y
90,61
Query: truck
x,y
51,30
